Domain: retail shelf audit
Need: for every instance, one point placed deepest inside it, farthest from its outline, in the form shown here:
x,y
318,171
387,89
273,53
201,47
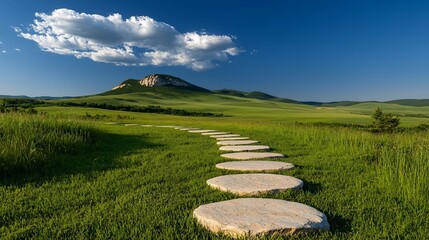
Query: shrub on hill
x,y
384,122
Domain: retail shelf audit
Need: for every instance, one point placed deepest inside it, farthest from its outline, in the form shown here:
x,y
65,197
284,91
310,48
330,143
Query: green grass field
x,y
143,183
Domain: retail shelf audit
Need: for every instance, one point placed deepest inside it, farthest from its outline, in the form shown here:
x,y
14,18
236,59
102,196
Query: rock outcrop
x,y
162,80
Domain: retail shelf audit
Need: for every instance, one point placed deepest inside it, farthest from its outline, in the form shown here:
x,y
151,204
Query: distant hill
x,y
154,82
255,95
411,102
39,98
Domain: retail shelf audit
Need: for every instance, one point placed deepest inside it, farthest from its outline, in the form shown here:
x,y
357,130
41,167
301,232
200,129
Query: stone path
x,y
214,133
201,131
225,136
256,217
238,142
253,217
231,138
255,166
240,148
254,183
251,155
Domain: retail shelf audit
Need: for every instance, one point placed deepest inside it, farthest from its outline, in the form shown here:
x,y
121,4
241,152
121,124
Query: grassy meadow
x,y
84,179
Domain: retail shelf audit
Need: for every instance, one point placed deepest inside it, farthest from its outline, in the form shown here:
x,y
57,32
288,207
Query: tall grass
x,y
30,141
400,161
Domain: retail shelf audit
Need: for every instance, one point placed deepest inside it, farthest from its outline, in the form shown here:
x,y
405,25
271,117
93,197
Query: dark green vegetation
x,y
27,106
98,181
384,122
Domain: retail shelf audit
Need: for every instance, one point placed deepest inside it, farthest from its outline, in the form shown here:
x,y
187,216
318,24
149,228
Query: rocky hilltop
x,y
156,80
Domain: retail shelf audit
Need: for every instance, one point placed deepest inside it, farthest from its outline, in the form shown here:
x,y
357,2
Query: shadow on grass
x,y
339,224
312,187
104,155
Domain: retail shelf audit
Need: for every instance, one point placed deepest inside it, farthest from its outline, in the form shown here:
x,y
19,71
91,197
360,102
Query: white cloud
x,y
17,49
1,42
4,51
136,41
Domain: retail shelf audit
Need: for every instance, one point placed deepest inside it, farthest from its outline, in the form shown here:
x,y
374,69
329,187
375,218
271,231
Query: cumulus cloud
x,y
17,49
136,41
4,51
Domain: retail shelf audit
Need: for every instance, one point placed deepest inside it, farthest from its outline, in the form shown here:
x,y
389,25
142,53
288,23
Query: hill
x,y
153,83
254,94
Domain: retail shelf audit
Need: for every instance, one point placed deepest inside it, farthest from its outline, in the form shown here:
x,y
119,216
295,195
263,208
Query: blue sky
x,y
304,50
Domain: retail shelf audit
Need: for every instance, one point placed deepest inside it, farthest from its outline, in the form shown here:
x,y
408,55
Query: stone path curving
x,y
254,183
255,166
240,148
256,217
253,217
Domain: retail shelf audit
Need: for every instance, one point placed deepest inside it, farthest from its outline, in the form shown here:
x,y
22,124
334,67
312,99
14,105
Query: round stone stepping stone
x,y
257,166
188,129
112,123
251,155
225,135
201,131
239,142
131,124
147,125
231,138
240,148
167,126
214,133
256,217
254,183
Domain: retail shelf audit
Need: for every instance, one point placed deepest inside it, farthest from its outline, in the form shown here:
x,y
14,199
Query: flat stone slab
x,y
167,126
146,125
254,183
241,148
214,133
202,131
239,142
131,124
225,135
251,155
255,166
188,129
112,123
231,138
256,217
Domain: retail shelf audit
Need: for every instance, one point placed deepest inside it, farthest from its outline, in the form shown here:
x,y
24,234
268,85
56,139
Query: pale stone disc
x,y
167,126
225,135
241,148
201,131
147,125
239,142
256,166
214,133
254,183
251,155
112,123
188,129
131,124
255,217
232,138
